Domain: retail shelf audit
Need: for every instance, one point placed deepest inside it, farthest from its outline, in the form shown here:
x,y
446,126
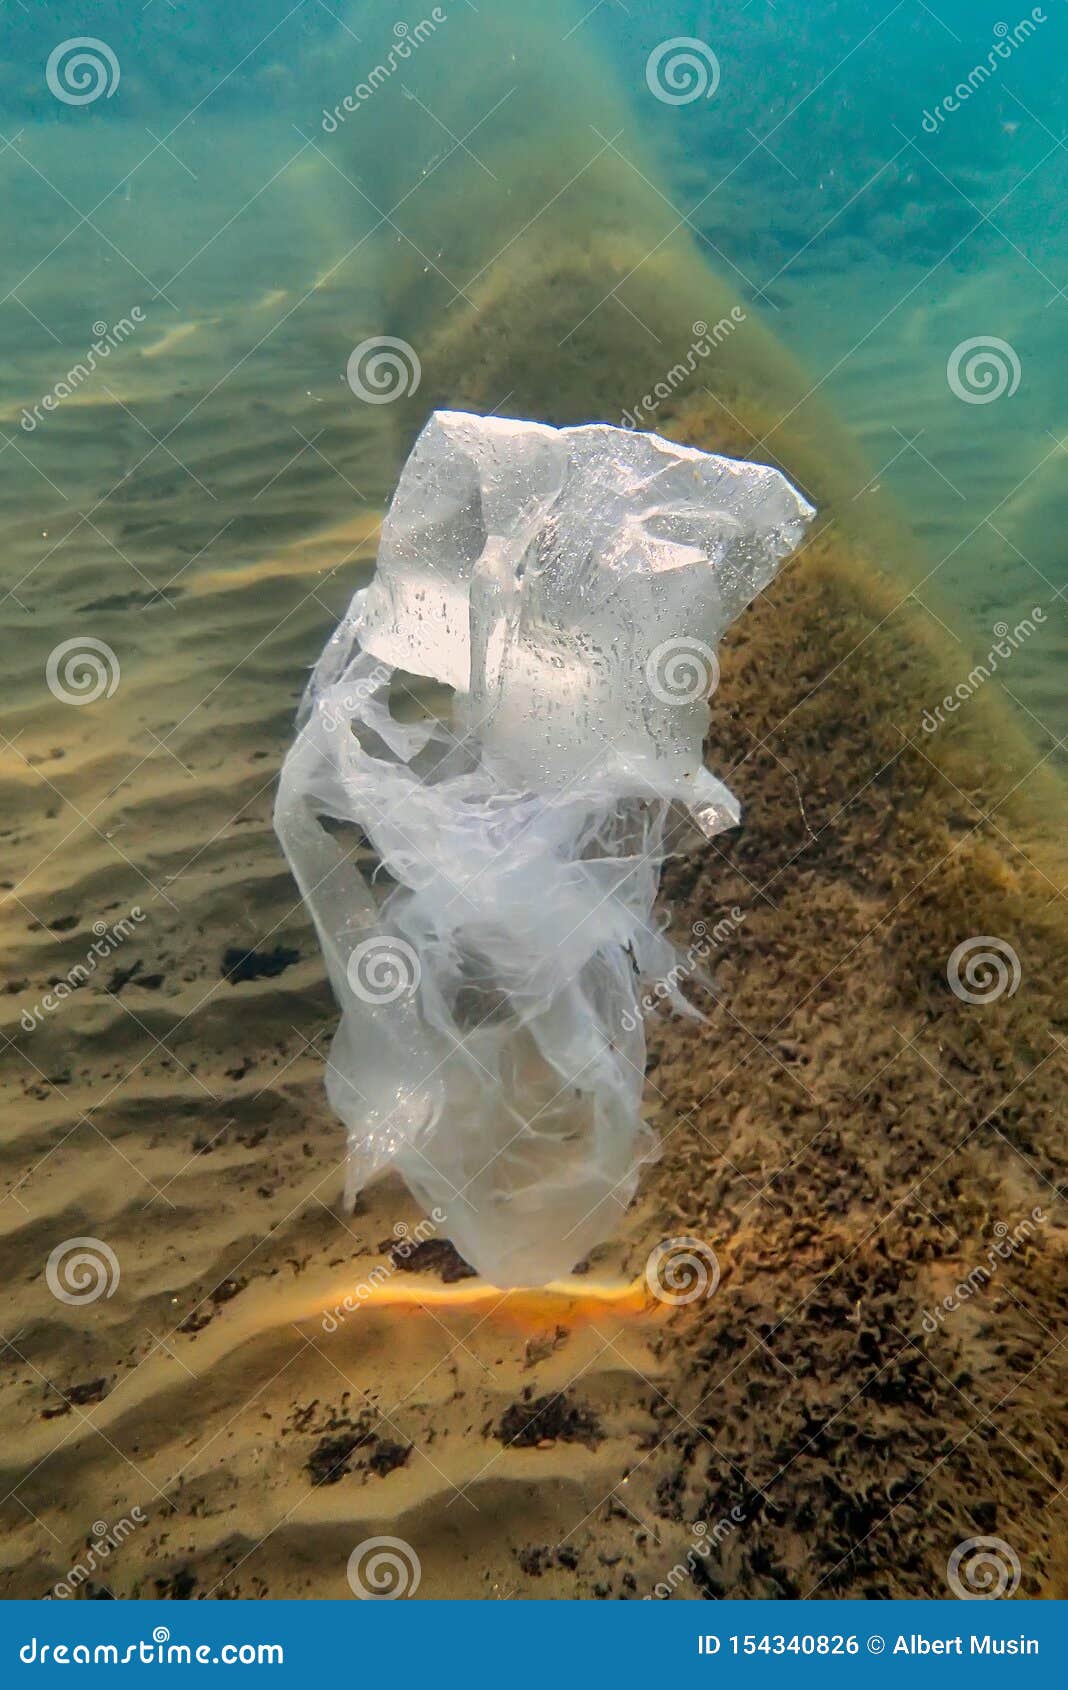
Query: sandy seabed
x,y
849,1136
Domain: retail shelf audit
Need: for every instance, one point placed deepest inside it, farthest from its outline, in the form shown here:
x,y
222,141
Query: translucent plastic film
x,y
486,916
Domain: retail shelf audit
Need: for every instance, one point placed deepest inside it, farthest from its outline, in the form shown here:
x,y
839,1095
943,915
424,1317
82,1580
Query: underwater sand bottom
x,y
844,1132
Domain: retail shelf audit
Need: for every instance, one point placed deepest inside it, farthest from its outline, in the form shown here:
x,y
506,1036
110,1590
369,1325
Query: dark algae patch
x,y
437,1256
348,1445
239,965
533,1421
329,1461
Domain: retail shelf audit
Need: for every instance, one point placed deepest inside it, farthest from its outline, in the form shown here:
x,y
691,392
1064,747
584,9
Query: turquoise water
x,y
881,227
199,197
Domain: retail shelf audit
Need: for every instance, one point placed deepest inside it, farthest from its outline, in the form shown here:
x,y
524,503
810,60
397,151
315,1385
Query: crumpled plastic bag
x,y
490,949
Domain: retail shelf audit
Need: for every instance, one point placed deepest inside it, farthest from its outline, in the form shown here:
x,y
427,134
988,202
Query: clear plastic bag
x,y
571,586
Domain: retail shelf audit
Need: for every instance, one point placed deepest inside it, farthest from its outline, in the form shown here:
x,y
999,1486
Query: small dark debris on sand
x,y
387,1456
432,1255
529,1423
239,965
536,1559
179,1587
197,1321
329,1460
228,1289
341,1439
92,1390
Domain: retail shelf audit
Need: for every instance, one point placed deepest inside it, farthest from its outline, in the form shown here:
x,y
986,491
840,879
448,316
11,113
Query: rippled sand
x,y
844,1132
